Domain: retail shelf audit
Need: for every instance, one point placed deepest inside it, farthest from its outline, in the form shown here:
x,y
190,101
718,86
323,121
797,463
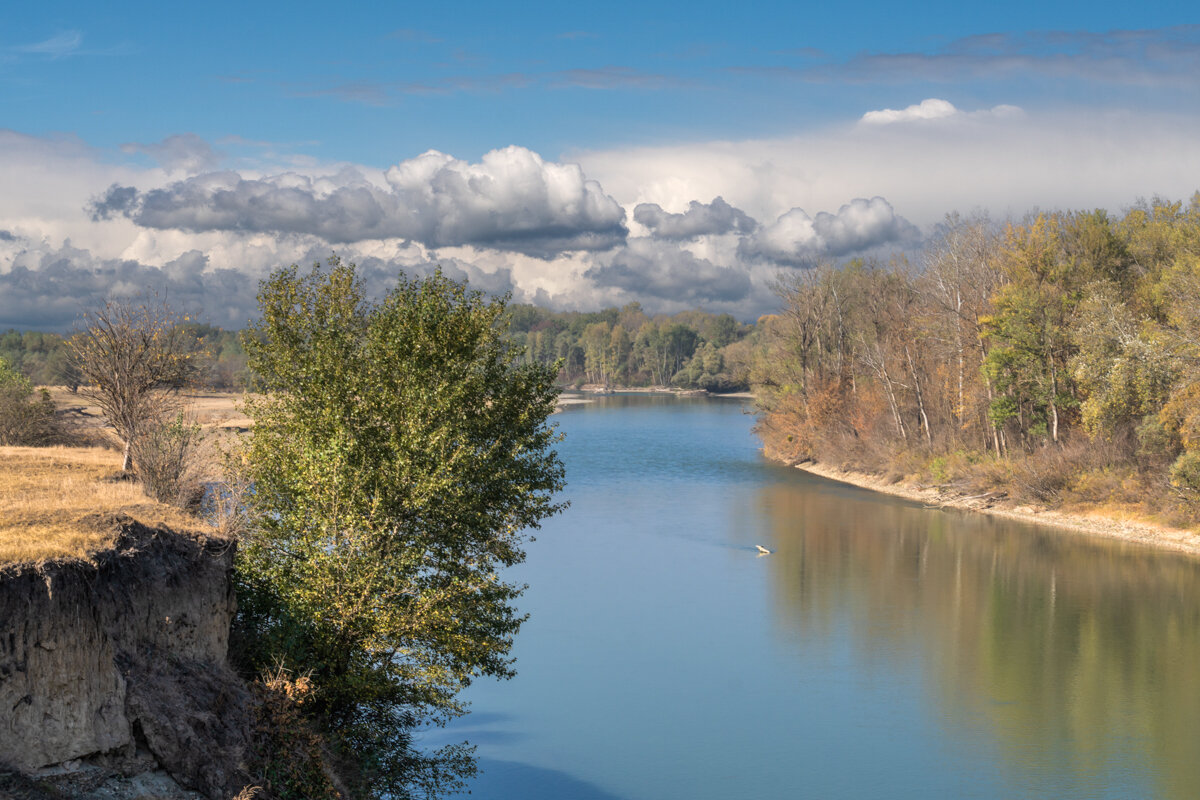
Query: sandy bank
x,y
1095,524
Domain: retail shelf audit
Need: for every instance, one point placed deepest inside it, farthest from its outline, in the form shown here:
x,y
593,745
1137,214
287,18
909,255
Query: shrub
x,y
24,419
287,756
1185,473
165,457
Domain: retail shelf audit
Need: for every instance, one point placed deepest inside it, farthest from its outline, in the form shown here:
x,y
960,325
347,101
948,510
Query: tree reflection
x,y
1079,656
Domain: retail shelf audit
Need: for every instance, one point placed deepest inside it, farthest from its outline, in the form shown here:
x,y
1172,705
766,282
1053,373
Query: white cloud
x,y
934,109
57,46
646,268
1002,162
1157,57
700,219
186,152
796,239
926,109
516,221
511,200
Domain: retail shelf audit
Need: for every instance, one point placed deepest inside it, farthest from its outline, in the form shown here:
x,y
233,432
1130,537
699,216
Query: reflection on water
x,y
882,650
1074,654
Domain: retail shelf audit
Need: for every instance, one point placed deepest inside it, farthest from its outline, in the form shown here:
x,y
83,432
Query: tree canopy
x,y
400,454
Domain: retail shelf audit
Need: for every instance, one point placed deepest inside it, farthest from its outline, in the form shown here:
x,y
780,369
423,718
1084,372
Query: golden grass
x,y
211,409
54,500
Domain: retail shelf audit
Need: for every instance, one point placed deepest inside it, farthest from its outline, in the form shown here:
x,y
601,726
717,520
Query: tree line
x,y
614,347
628,347
45,358
1060,355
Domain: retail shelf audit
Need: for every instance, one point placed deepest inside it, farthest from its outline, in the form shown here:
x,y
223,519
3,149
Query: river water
x,y
881,651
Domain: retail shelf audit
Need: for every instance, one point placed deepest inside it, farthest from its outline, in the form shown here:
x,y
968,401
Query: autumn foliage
x,y
1039,355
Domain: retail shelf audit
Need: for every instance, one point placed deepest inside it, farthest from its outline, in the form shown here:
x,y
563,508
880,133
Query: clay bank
x,y
113,661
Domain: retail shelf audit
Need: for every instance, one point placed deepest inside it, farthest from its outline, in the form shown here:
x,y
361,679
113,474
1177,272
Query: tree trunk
x,y
1053,400
127,462
899,420
920,397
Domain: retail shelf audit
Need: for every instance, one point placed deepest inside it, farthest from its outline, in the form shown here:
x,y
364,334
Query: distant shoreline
x,y
601,389
1099,523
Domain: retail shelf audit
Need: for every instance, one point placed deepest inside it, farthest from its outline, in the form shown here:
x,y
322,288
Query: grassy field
x,y
56,503
211,409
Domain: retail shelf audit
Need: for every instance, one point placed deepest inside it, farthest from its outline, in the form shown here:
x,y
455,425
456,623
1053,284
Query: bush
x,y
1185,473
288,757
165,458
24,419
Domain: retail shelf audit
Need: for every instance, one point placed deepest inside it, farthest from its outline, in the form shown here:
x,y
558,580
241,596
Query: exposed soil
x,y
1109,525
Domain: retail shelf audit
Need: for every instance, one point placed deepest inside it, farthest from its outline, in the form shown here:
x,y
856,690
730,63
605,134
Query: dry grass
x,y
54,501
212,409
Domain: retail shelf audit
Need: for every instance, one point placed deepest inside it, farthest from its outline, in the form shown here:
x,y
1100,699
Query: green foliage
x,y
1125,373
626,346
25,419
938,469
399,455
41,357
1185,472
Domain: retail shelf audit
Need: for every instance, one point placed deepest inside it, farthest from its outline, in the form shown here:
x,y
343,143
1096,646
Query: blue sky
x,y
240,137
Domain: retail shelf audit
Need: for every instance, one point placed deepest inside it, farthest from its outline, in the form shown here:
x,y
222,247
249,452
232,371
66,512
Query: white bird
x,y
762,550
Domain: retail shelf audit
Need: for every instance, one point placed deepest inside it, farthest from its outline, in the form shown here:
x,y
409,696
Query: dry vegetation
x,y
212,409
56,503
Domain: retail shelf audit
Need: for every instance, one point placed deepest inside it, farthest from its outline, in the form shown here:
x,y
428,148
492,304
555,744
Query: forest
x,y
612,347
1056,359
627,347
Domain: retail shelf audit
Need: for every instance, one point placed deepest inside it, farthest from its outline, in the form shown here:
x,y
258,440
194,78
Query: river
x,y
881,650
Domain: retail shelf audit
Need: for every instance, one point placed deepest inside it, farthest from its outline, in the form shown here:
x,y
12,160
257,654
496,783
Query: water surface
x,y
883,650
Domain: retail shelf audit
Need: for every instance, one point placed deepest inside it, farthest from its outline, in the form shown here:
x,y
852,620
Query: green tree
x,y
24,420
1030,334
400,453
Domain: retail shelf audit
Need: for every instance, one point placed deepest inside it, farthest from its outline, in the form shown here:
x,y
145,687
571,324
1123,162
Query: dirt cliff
x,y
122,663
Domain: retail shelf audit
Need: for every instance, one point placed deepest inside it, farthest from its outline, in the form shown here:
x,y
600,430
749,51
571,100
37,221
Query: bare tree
x,y
133,357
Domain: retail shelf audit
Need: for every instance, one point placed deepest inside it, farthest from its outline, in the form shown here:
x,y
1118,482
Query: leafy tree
x,y
1125,373
1030,333
400,453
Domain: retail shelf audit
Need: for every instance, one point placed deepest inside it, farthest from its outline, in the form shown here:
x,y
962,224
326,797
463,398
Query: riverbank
x,y
1098,523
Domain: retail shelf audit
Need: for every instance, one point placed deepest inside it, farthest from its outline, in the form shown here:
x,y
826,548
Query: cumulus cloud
x,y
645,268
51,289
185,151
926,109
717,217
798,240
933,109
511,200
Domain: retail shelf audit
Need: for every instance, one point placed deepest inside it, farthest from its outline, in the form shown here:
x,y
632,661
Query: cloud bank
x,y
554,231
511,200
